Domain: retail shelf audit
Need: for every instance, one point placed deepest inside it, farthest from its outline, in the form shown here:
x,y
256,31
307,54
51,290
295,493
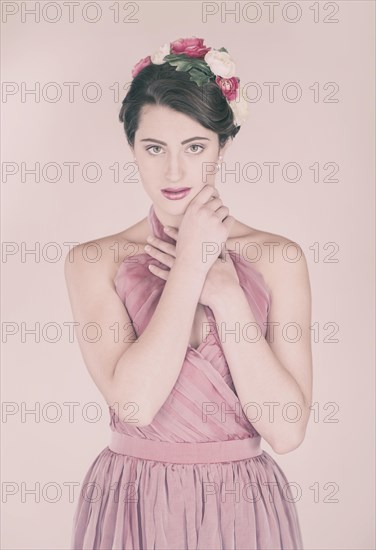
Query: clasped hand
x,y
220,277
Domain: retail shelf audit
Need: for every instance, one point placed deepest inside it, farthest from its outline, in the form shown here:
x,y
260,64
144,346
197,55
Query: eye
x,y
197,145
153,147
201,148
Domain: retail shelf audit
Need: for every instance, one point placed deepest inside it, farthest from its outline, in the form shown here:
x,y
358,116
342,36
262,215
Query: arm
x,y
278,371
139,372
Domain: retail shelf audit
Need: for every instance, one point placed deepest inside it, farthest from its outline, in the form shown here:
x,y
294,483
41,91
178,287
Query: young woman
x,y
193,357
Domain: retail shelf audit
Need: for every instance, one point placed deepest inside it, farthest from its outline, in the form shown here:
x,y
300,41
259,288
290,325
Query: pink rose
x,y
140,65
193,47
228,86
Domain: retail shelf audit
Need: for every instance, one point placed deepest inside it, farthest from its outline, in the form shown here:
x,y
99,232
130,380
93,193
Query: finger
x,y
165,259
228,221
171,231
162,273
168,248
204,195
214,204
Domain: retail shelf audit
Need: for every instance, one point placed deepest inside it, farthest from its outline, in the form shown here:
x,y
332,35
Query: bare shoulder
x,y
104,255
277,257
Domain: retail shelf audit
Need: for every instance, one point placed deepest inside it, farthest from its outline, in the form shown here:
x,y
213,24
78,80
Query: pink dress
x,y
188,480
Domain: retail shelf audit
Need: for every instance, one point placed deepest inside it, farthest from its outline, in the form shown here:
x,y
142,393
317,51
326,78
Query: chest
x,y
200,327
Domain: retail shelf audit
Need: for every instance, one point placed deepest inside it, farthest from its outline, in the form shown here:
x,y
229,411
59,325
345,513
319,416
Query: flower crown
x,y
203,65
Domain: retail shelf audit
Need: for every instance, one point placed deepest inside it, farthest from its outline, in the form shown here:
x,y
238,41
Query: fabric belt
x,y
188,453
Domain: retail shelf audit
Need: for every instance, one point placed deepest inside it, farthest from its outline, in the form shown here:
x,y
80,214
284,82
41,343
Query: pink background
x,y
36,449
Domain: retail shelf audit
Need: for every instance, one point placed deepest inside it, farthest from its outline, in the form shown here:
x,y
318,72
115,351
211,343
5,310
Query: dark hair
x,y
164,85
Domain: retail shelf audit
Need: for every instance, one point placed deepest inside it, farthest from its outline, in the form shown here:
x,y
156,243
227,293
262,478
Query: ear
x,y
223,149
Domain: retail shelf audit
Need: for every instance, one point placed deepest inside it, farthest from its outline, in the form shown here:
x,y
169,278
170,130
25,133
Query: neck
x,y
168,219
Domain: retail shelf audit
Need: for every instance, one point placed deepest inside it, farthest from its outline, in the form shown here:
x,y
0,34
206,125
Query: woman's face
x,y
174,151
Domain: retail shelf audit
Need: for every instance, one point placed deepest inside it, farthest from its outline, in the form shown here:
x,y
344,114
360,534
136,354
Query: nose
x,y
174,168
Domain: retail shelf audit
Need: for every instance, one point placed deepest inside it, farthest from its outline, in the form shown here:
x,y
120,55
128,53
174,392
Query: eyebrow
x,y
183,142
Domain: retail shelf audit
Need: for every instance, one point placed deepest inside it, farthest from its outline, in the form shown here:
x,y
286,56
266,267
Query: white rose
x,y
220,63
240,108
158,57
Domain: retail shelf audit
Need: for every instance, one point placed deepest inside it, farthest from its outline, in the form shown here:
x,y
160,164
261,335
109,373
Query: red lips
x,y
175,194
175,189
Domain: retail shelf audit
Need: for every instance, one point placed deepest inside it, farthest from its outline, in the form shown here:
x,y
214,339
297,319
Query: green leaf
x,y
181,65
202,66
198,76
199,70
186,61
